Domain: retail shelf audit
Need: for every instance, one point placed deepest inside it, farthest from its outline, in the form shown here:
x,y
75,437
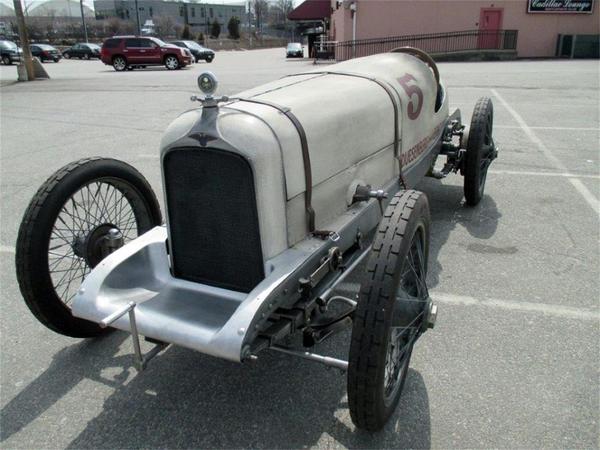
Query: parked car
x,y
82,50
45,52
197,50
9,52
294,50
128,52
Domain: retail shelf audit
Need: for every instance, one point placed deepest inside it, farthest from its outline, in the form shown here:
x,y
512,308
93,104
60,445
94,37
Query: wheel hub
x,y
98,243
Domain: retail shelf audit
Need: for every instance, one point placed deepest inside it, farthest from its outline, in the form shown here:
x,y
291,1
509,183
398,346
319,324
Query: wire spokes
x,y
411,299
101,203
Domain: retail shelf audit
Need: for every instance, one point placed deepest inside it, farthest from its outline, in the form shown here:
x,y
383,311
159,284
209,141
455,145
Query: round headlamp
x,y
207,83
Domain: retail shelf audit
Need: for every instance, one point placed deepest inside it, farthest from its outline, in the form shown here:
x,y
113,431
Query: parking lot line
x,y
568,312
513,127
543,174
577,184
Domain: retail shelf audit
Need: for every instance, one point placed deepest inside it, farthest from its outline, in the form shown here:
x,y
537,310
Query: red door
x,y
490,22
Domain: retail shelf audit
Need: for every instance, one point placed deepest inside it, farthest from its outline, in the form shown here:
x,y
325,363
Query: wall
x,y
537,32
173,9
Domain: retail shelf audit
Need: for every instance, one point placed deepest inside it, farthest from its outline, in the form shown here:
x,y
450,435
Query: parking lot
x,y
512,362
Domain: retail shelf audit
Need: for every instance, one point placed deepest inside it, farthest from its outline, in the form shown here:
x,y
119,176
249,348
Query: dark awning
x,y
311,10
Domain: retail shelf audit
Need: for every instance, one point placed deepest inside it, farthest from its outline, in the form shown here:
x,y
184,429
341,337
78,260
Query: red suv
x,y
128,52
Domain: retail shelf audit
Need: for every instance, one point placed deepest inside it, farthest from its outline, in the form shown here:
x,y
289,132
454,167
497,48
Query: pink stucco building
x,y
539,22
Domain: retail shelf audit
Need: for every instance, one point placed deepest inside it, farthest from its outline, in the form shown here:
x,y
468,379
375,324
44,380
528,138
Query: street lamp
x,y
137,15
83,21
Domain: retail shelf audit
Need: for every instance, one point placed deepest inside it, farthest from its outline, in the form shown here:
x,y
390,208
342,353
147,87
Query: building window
x,y
202,12
127,13
193,12
211,13
150,11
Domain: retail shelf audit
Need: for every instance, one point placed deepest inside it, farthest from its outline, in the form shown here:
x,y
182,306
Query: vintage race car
x,y
272,198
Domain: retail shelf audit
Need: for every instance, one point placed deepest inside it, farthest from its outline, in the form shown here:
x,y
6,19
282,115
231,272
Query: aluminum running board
x,y
140,360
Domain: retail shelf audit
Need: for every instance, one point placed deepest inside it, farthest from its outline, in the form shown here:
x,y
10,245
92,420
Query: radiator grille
x,y
211,205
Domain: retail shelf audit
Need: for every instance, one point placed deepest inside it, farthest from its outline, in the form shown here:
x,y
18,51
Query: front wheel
x,y
392,311
6,61
209,59
67,55
480,151
64,234
171,62
87,56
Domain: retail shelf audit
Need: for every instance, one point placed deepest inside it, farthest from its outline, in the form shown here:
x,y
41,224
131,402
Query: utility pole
x,y
24,38
137,16
83,21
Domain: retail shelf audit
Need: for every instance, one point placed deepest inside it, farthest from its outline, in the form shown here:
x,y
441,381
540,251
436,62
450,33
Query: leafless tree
x,y
283,8
260,8
164,26
114,25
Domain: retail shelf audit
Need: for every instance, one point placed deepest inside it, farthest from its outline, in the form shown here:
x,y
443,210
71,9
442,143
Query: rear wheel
x,y
392,309
171,62
87,56
66,55
481,151
64,234
119,63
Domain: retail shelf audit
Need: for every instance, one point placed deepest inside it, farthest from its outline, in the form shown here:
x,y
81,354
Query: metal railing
x,y
432,43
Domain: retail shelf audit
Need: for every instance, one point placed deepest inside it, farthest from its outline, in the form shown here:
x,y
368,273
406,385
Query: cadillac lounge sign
x,y
560,6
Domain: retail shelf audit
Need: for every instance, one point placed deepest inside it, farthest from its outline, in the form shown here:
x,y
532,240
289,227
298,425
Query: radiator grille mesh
x,y
211,205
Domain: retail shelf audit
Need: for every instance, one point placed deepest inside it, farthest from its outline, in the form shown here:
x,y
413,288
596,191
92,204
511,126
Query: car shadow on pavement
x,y
448,211
188,400
69,366
147,69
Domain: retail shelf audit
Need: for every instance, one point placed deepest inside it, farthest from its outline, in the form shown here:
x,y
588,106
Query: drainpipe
x,y
353,12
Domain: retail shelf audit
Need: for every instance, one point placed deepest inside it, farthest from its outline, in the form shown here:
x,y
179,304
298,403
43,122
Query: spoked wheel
x,y
393,310
481,151
70,226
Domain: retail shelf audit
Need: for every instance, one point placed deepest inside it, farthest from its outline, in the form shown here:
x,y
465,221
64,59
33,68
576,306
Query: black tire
x,y
6,60
119,63
209,59
87,56
67,55
389,318
481,151
38,230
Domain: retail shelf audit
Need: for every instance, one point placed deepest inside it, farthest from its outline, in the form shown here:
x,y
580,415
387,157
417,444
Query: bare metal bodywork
x,y
354,138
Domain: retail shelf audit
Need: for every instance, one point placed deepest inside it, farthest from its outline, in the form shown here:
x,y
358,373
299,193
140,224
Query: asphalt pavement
x,y
512,362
